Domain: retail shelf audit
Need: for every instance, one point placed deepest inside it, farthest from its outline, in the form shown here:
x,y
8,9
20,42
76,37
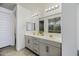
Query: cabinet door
x,y
43,49
49,50
53,51
30,43
36,45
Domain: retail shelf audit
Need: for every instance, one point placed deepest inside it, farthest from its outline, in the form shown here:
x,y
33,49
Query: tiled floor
x,y
11,51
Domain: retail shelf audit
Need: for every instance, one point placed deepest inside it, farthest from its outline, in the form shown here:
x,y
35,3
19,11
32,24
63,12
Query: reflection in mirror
x,y
41,26
30,26
54,25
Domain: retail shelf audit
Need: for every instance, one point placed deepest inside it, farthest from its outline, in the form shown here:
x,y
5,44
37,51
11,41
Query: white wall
x,y
22,15
12,29
69,47
78,27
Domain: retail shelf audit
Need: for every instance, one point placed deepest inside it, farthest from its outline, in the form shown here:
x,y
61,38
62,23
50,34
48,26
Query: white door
x,y
5,33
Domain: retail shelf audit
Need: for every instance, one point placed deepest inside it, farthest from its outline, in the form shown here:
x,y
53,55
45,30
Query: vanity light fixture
x,y
49,8
56,6
35,14
52,8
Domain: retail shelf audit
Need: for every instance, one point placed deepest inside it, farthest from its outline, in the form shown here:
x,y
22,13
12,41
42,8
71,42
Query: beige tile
x,y
11,51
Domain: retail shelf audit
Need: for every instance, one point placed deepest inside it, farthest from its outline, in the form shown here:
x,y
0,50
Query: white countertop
x,y
55,39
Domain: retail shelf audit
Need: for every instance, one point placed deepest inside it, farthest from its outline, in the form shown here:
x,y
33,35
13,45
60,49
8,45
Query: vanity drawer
x,y
56,44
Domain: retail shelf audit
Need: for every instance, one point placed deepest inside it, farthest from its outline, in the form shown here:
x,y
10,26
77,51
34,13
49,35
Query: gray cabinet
x,y
53,51
41,47
32,43
29,42
49,50
35,45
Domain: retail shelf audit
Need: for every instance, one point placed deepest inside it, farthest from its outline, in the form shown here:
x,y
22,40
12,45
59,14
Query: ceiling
x,y
10,6
36,7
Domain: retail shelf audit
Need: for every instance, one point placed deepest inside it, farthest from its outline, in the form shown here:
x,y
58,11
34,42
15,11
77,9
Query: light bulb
x,y
49,8
52,7
56,6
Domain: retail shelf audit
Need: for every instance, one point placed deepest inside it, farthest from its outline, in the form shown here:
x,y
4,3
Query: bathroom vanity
x,y
43,46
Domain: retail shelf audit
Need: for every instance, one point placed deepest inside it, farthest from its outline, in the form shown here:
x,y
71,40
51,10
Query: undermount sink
x,y
39,34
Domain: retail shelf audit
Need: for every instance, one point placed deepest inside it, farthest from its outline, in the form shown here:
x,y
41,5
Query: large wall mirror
x,y
54,25
30,26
